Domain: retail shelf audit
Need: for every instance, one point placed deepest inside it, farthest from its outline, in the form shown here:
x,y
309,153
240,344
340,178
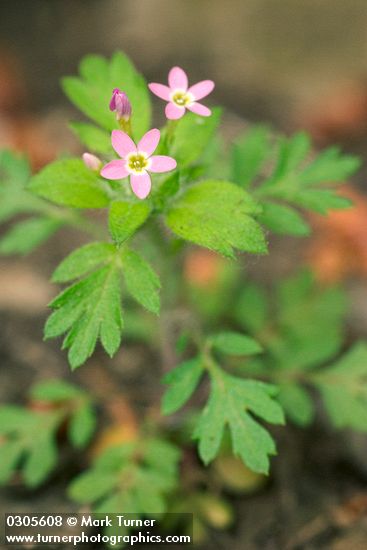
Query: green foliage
x,y
14,169
192,135
343,386
306,327
94,138
301,333
27,235
294,335
14,174
217,215
311,322
28,436
297,402
134,477
231,403
82,418
92,91
88,310
83,260
70,183
182,381
296,179
125,218
141,281
251,309
249,153
234,343
283,220
167,189
308,183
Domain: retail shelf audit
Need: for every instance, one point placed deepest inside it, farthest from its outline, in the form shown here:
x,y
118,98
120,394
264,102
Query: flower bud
x,y
121,104
92,162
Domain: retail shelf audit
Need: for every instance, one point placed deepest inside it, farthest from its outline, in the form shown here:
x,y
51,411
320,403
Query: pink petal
x,y
122,143
177,78
161,163
174,112
202,89
149,142
141,185
114,170
160,90
199,109
113,102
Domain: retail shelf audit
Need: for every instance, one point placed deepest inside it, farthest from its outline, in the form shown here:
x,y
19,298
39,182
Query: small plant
x,y
29,435
257,356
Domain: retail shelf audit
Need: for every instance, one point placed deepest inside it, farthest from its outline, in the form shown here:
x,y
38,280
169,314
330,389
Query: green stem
x,y
170,133
125,126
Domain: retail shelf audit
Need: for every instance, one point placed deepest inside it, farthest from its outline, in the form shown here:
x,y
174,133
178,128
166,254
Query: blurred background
x,y
293,64
277,60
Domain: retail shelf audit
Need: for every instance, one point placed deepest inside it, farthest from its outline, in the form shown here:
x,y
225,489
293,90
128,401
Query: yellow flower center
x,y
181,98
137,162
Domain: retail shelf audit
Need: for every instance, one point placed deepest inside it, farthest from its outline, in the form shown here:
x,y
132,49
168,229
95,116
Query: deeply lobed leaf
x,y
231,403
89,310
136,476
217,215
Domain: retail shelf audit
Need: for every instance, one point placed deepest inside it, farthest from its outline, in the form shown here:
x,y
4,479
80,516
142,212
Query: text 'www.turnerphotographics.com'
x,y
112,529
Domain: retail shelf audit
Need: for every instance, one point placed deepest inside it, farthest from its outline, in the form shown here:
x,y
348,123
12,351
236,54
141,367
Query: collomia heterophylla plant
x,y
164,190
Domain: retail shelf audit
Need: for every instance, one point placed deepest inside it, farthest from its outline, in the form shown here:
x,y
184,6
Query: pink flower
x,y
136,161
92,162
121,104
180,97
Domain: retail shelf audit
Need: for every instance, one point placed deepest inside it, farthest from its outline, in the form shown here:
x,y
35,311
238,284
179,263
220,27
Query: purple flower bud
x,y
92,162
121,104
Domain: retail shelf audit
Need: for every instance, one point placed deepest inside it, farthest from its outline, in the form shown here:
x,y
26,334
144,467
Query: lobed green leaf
x,y
88,310
70,183
217,215
230,402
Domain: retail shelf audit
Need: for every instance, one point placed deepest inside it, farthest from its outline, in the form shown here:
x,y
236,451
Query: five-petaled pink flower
x,y
180,96
137,160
